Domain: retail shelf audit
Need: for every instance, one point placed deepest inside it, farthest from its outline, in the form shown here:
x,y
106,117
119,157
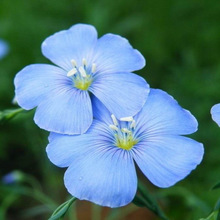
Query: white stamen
x,y
130,118
82,71
84,62
72,72
74,63
93,68
133,124
125,130
113,127
114,119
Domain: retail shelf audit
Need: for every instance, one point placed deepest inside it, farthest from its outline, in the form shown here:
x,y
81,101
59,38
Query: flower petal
x,y
215,112
115,54
75,43
102,174
4,49
98,172
162,114
35,82
68,112
165,160
123,94
100,112
62,148
97,127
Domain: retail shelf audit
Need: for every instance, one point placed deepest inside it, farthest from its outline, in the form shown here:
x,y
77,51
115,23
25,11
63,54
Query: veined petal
x,y
63,149
123,94
165,160
100,112
75,43
104,175
115,54
215,112
35,82
162,114
97,127
67,112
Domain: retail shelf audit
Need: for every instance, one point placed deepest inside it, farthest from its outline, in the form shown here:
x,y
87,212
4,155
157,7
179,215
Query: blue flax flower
x,y
84,64
101,162
3,49
215,112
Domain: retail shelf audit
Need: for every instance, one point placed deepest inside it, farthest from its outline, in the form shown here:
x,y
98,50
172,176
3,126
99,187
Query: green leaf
x,y
215,215
217,205
144,199
9,113
212,216
62,209
138,201
216,186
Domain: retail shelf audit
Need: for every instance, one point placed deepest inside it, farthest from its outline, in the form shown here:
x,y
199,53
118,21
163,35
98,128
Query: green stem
x,y
9,113
145,200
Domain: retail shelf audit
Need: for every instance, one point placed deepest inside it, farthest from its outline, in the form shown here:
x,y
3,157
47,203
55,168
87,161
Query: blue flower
x,y
13,177
3,49
101,162
215,112
86,65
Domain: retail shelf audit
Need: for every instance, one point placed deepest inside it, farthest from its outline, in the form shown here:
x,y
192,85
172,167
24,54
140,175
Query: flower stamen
x,y
125,130
74,63
81,76
93,68
113,127
124,137
130,118
133,124
84,62
82,71
114,119
72,72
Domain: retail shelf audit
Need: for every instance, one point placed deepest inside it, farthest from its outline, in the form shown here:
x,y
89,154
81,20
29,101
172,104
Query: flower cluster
x,y
103,118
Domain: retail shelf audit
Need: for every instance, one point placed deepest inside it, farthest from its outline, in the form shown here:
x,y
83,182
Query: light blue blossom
x,y
3,49
215,112
86,65
101,162
13,177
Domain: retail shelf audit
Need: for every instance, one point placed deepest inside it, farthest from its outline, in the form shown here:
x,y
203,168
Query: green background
x,y
181,43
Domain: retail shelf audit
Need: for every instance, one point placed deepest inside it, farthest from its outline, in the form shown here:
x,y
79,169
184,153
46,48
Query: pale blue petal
x,y
98,172
215,112
35,82
66,112
165,160
103,174
115,54
97,127
123,94
100,112
63,149
4,48
162,114
75,43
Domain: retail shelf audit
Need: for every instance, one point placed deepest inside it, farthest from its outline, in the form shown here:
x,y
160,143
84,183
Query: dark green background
x,y
181,43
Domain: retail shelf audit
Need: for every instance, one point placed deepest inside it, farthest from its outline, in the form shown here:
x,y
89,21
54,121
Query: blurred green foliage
x,y
181,43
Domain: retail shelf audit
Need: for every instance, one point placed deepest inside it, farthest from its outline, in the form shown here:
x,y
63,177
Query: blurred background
x,y
181,43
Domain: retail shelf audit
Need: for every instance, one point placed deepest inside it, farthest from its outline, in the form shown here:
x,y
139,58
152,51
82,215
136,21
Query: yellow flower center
x,y
81,76
124,137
